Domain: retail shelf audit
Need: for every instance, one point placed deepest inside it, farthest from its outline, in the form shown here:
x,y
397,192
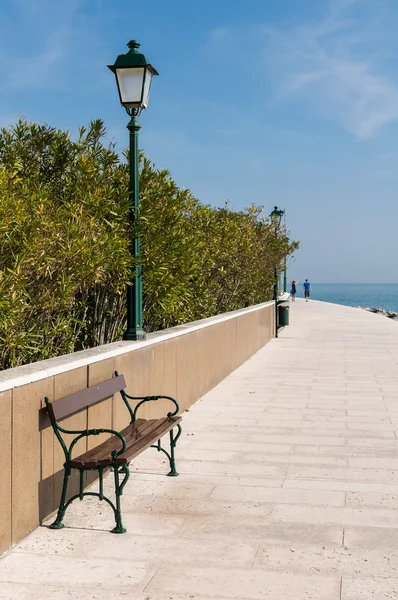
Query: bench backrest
x,y
69,405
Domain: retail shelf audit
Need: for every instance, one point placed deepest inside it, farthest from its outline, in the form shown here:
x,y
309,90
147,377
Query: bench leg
x,y
118,492
173,441
61,511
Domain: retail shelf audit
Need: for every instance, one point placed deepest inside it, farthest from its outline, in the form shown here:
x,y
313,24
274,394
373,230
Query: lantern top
x,y
277,213
132,59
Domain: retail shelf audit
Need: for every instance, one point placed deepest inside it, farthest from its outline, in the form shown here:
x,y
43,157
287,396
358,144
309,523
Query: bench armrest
x,y
133,413
149,399
81,433
143,399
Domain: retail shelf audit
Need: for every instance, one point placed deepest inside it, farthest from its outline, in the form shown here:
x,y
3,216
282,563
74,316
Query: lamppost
x,y
276,218
133,77
285,276
285,265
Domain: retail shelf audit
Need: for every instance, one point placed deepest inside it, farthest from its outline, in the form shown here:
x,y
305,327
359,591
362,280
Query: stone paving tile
x,y
20,591
348,451
189,508
297,439
255,529
223,436
209,421
211,455
72,542
340,516
245,469
373,442
216,479
351,434
163,486
277,495
303,424
95,593
368,588
379,462
183,551
254,584
251,447
378,500
65,570
303,459
383,539
347,486
327,560
349,473
385,426
335,419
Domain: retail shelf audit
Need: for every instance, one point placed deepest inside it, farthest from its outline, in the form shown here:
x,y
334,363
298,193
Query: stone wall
x,y
184,362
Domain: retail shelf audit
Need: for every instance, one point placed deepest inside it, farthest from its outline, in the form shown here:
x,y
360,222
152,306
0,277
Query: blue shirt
x,y
307,285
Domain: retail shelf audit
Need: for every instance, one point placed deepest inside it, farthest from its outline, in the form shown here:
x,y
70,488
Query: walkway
x,y
288,486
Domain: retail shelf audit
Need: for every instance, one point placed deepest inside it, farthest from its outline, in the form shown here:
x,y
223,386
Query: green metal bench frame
x,y
93,396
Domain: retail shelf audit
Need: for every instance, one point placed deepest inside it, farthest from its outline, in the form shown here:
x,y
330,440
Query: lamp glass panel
x,y
147,87
130,86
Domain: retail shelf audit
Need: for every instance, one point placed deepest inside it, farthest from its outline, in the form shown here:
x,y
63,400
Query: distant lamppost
x,y
285,264
133,77
276,218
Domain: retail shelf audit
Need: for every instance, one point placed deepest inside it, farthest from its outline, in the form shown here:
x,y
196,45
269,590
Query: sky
x,y
291,103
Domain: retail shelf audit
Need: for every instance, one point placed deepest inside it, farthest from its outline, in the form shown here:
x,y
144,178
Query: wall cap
x,y
17,376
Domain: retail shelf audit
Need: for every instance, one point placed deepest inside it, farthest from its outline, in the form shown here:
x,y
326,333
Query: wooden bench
x,y
117,451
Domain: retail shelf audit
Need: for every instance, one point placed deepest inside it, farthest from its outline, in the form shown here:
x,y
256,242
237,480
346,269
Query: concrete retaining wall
x,y
184,362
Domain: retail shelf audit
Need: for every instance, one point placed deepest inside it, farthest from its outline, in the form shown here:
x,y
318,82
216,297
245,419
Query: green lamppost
x,y
276,218
285,276
133,77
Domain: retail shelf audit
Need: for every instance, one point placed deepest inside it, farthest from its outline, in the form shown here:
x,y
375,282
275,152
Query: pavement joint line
x,y
154,574
41,592
255,556
210,493
185,528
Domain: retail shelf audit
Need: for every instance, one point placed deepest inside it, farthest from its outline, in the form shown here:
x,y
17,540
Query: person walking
x,y
293,290
307,290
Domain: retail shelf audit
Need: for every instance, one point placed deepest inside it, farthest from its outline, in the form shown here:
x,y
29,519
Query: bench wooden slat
x,y
163,427
69,405
130,433
139,436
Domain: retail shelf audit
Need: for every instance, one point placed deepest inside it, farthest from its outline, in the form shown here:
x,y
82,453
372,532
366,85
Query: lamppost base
x,y
133,335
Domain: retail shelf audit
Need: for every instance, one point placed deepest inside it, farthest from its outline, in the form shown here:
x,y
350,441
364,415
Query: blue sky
x,y
287,102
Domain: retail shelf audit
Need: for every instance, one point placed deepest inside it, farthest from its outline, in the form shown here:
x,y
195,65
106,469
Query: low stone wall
x,y
184,362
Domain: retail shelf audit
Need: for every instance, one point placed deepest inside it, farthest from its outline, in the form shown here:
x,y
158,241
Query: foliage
x,y
64,246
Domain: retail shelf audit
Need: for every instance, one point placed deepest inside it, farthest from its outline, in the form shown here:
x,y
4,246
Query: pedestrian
x,y
307,290
293,290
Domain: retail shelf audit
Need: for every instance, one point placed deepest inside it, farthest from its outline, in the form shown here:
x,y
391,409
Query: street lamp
x,y
133,77
285,264
276,218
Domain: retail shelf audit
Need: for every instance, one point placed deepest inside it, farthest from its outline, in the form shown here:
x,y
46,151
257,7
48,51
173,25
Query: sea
x,y
367,295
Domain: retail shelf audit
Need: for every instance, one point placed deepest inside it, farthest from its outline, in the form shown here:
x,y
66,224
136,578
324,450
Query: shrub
x,y
64,246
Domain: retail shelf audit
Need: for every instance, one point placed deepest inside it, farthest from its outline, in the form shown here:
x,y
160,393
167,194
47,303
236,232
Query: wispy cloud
x,y
335,65
332,65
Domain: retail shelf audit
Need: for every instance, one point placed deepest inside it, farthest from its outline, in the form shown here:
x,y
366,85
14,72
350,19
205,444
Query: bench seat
x,y
139,436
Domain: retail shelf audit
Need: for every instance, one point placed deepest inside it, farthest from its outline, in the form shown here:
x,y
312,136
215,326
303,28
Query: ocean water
x,y
367,295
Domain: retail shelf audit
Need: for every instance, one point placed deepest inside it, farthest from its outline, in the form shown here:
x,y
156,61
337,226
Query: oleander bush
x,y
64,246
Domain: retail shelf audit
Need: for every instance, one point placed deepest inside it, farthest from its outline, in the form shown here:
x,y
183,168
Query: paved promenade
x,y
288,487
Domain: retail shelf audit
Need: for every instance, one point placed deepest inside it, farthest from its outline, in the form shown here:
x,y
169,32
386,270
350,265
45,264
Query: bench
x,y
116,452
